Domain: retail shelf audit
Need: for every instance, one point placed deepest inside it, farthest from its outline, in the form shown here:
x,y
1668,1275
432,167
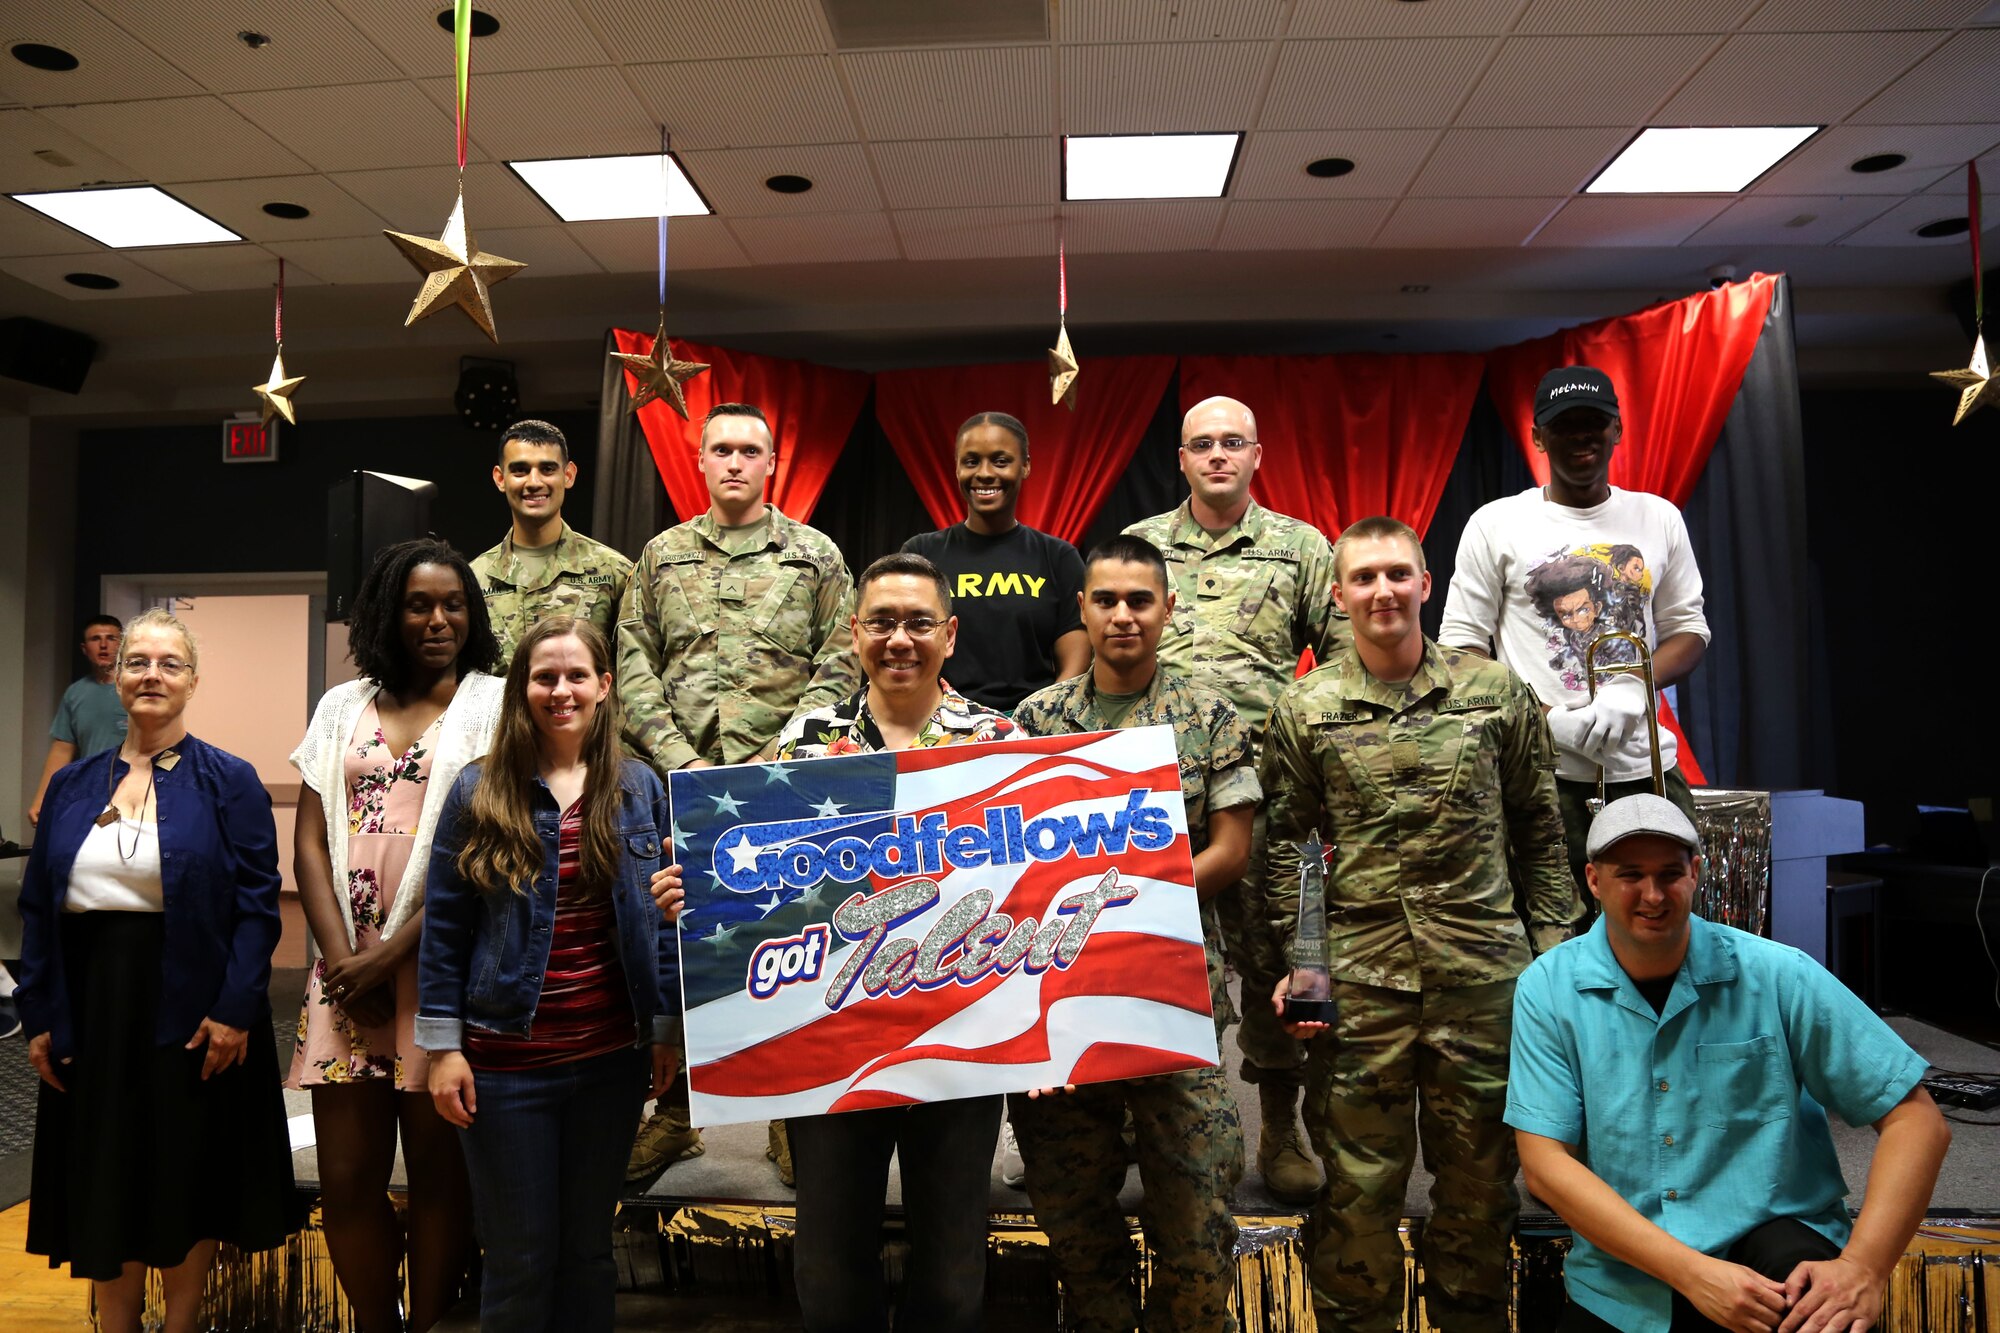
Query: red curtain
x,y
812,411
1677,367
1076,457
1347,437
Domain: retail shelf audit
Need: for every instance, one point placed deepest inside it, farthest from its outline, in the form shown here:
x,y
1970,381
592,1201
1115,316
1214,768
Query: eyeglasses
x,y
172,668
1201,444
917,627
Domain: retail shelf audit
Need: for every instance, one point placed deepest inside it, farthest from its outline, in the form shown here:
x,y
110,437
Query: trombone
x,y
1642,667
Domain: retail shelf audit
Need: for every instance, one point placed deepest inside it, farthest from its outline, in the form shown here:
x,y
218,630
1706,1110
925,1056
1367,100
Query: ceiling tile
x,y
183,138
733,179
1302,224
1861,15
46,272
1953,181
957,173
350,261
112,66
1128,228
549,252
1503,163
1452,224
964,93
1793,79
1778,219
631,245
1561,80
23,231
1273,163
1162,86
239,206
220,268
1346,18
1372,84
1898,225
823,238
311,42
707,29
1934,151
976,233
1630,220
747,103
1954,85
1079,22
534,34
1596,16
419,199
601,117
357,127
25,133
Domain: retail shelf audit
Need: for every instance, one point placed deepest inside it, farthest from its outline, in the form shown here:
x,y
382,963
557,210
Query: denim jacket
x,y
483,953
219,871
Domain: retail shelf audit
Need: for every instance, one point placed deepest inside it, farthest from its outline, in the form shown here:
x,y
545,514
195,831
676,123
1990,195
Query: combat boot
x,y
664,1137
778,1148
1289,1171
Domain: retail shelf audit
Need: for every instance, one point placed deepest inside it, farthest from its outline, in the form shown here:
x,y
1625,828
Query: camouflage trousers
x,y
1269,1055
1401,1066
1575,798
1190,1147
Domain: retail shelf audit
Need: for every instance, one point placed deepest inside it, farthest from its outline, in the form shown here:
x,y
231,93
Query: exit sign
x,y
248,440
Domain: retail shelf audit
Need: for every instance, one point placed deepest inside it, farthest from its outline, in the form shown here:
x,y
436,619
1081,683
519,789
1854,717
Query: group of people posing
x,y
484,855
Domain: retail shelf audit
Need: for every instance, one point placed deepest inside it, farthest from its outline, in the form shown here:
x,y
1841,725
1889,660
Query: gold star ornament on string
x,y
660,373
1975,384
456,271
276,393
1062,371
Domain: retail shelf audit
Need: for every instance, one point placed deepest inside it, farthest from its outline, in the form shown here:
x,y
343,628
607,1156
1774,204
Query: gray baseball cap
x,y
1630,815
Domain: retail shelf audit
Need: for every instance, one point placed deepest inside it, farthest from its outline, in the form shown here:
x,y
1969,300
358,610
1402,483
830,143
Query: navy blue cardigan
x,y
219,867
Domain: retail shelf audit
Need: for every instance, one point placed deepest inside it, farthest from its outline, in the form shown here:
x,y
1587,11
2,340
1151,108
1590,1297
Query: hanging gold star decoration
x,y
276,392
1062,371
456,271
1976,385
660,373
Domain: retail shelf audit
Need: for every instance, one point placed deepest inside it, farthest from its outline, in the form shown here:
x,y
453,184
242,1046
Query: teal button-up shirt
x,y
1706,1117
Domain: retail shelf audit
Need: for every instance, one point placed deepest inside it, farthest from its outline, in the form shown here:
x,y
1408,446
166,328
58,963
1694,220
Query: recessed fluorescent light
x,y
131,216
589,189
1719,160
1148,166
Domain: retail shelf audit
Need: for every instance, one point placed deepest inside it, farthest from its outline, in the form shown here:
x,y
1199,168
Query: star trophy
x,y
1311,997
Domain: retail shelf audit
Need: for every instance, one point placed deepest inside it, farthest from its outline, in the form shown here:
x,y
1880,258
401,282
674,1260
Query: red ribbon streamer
x,y
1062,280
1978,266
278,320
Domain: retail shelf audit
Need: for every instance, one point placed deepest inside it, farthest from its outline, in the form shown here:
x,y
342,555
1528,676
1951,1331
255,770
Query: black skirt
x,y
141,1159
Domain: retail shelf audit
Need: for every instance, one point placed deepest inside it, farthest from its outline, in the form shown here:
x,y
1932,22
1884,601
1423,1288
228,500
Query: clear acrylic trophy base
x,y
1309,1011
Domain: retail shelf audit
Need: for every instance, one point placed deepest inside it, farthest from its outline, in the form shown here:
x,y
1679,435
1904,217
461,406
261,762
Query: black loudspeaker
x,y
364,513
38,353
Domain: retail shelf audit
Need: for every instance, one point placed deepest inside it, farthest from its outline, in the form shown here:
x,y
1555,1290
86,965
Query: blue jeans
x,y
944,1153
546,1158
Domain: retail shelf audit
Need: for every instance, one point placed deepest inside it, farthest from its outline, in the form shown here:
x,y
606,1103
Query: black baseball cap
x,y
1574,386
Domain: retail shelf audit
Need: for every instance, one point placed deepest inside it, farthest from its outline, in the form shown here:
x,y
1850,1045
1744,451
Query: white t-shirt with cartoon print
x,y
1536,582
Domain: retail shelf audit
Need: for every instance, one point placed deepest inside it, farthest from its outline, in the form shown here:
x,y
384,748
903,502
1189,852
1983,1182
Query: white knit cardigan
x,y
469,720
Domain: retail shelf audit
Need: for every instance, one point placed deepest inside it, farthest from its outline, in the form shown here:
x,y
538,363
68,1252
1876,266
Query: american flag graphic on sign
x,y
881,929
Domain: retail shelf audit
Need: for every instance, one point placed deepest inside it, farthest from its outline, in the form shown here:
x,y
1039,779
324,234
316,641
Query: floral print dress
x,y
385,801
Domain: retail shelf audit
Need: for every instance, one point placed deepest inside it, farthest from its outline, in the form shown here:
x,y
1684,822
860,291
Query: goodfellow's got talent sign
x,y
881,929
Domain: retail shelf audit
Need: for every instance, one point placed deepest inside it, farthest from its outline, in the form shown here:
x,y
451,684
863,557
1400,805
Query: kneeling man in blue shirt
x,y
1666,1088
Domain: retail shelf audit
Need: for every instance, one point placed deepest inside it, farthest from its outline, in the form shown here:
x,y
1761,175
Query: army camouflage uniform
x,y
1247,603
1187,1131
717,651
1423,790
575,577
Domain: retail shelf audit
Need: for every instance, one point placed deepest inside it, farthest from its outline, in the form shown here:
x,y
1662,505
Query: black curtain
x,y
1152,483
869,507
629,503
1489,465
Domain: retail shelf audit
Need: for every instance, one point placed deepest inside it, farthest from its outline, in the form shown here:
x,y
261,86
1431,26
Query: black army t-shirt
x,y
1014,596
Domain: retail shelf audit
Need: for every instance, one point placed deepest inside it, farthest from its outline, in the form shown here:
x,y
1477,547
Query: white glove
x,y
1571,728
1635,754
1618,711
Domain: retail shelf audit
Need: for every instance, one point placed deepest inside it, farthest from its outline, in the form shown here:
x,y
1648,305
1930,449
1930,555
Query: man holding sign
x,y
903,631
1188,1135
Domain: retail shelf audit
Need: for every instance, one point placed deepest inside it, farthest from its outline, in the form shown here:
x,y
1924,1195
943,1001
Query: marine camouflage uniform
x,y
1187,1131
574,577
1423,790
1247,603
717,651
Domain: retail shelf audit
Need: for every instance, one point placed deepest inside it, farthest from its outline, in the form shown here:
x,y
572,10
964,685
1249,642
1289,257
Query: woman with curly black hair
x,y
377,762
